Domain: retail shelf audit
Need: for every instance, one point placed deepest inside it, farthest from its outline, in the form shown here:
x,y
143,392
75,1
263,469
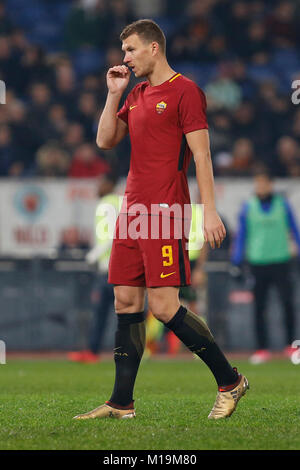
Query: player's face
x,y
263,186
138,55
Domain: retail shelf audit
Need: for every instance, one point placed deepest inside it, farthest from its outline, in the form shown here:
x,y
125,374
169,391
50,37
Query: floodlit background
x,y
54,55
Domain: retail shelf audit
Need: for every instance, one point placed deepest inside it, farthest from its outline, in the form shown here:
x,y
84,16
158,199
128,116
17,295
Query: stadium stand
x,y
244,54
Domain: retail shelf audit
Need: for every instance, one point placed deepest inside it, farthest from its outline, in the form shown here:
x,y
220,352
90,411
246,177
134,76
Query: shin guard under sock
x,y
128,351
195,334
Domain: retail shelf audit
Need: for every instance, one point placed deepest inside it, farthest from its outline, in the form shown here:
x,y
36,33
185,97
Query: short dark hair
x,y
148,30
263,172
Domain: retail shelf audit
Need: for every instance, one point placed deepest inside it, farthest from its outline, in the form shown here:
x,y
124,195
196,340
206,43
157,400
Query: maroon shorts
x,y
149,259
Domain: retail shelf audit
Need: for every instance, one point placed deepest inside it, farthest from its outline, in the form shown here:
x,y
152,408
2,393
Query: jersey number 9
x,y
167,254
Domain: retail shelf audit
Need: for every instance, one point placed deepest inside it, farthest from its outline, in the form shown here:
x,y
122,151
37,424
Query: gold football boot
x,y
226,401
106,411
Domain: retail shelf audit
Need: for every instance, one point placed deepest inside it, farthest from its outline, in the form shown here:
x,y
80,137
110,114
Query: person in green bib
x,y
263,240
102,296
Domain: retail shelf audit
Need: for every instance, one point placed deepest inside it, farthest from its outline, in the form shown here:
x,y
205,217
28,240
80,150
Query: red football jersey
x,y
158,117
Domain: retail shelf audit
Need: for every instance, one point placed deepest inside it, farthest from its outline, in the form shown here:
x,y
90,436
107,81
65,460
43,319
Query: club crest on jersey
x,y
160,107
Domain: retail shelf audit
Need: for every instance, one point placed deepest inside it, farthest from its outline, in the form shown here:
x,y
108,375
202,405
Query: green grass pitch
x,y
173,398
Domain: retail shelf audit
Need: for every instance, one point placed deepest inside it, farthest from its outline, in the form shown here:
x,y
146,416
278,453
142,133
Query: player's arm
x,y
111,129
198,142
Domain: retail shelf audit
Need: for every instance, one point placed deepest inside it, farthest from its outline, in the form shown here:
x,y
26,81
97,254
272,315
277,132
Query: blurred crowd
x,y
54,56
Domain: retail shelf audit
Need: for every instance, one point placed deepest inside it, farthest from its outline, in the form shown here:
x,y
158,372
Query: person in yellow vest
x,y
102,294
155,329
188,294
196,242
266,222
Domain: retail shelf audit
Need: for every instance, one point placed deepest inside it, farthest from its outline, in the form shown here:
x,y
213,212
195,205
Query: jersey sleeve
x,y
192,110
123,112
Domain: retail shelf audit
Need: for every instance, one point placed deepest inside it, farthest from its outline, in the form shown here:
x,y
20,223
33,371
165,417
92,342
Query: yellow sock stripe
x,y
178,75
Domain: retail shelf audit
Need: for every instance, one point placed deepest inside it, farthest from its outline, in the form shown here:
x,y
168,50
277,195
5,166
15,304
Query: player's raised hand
x,y
117,78
214,230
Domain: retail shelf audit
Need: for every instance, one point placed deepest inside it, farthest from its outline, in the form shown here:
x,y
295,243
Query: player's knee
x,y
160,309
161,316
124,305
163,303
126,302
